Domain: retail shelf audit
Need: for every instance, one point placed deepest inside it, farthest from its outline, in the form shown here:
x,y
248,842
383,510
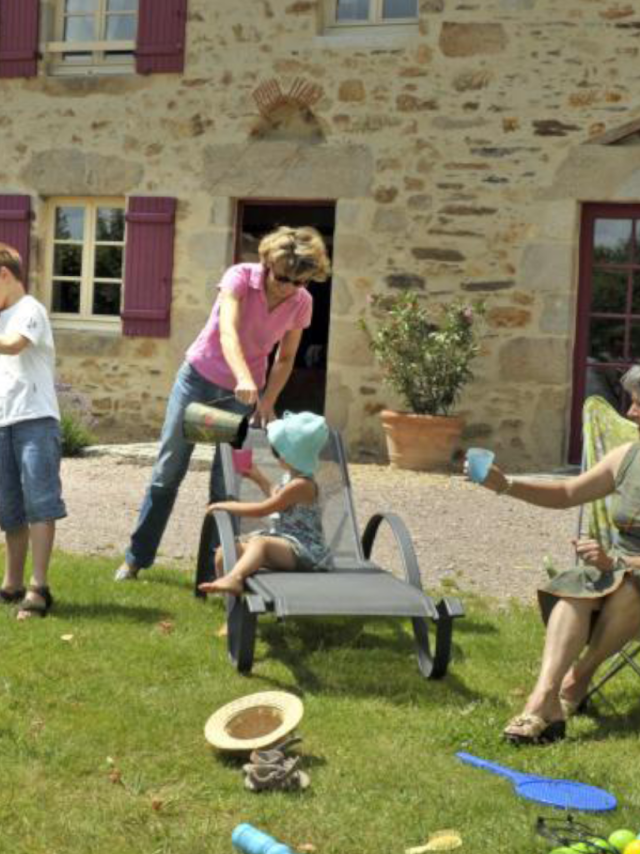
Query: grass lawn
x,y
102,746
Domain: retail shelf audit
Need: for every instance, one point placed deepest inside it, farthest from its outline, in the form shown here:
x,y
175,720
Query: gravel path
x,y
462,533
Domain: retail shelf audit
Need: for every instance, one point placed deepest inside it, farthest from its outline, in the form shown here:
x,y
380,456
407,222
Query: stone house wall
x,y
458,154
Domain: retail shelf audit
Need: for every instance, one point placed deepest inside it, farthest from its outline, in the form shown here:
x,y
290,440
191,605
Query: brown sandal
x,y
532,729
32,606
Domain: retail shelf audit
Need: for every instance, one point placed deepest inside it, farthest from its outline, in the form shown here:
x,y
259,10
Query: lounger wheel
x,y
241,638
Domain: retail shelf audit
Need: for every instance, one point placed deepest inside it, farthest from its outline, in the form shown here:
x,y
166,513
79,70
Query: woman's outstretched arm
x,y
561,494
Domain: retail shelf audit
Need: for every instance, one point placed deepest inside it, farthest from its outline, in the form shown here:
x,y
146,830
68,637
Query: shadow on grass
x,y
357,658
109,611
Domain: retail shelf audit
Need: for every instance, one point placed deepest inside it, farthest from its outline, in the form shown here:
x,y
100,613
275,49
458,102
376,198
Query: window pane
x,y
352,10
606,340
69,223
122,5
110,224
66,297
106,298
121,28
108,262
399,9
609,289
79,29
80,6
612,240
67,260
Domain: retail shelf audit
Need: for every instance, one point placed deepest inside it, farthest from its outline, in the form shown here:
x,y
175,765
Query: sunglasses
x,y
285,280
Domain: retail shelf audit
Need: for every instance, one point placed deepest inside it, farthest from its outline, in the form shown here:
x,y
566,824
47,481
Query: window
x,y
93,36
85,261
350,13
608,312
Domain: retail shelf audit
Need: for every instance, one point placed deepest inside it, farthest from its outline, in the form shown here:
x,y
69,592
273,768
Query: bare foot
x,y
34,604
223,631
227,584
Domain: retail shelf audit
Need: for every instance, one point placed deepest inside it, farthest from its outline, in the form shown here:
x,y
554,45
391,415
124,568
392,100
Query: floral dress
x,y
301,525
587,582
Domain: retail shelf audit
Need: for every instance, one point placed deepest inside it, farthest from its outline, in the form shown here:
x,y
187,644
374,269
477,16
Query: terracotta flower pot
x,y
421,442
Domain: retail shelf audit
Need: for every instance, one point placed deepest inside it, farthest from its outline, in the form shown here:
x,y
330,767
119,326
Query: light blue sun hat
x,y
298,438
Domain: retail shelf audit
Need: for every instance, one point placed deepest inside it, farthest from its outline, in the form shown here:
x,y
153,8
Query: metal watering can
x,y
208,424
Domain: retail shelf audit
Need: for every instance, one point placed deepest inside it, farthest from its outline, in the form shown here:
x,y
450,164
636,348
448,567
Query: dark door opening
x,y
608,315
307,384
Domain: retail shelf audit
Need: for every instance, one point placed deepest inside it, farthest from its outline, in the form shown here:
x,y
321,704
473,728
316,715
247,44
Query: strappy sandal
x,y
10,597
39,607
532,729
285,777
275,755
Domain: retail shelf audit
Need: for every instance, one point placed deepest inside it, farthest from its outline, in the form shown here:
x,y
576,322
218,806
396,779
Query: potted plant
x,y
426,358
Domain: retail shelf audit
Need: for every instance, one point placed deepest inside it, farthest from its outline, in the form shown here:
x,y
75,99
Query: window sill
x,y
84,324
90,70
369,35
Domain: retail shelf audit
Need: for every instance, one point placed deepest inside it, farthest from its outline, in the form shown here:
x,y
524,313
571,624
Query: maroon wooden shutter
x,y
15,227
162,27
19,38
148,269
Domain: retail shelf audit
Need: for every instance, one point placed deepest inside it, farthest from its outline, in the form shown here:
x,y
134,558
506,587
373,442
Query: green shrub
x,y
76,420
75,435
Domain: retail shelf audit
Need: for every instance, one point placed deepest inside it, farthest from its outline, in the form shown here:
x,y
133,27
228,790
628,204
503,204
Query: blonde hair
x,y
299,253
10,258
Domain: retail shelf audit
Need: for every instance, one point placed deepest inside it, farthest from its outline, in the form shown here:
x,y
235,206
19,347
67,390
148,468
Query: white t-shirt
x,y
27,388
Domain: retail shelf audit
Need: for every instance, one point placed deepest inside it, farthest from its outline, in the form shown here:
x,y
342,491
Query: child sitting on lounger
x,y
295,540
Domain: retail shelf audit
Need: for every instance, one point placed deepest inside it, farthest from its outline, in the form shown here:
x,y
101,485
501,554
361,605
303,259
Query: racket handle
x,y
483,763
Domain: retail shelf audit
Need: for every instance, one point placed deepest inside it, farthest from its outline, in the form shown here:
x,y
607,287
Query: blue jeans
x,y
173,462
30,488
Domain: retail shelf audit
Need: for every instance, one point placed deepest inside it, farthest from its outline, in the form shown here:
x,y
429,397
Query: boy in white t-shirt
x,y
30,445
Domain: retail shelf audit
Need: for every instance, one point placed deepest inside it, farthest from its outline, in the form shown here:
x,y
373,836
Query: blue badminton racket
x,y
564,794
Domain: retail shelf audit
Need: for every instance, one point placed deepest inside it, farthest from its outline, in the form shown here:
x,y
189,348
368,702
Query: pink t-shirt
x,y
260,329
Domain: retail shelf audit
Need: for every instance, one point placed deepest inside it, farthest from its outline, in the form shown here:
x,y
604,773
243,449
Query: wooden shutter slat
x,y
149,266
160,43
19,21
15,227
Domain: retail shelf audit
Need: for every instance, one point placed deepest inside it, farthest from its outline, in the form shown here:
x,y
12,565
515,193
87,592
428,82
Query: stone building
x,y
485,147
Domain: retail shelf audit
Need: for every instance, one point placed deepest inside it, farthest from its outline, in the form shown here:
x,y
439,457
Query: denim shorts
x,y
30,487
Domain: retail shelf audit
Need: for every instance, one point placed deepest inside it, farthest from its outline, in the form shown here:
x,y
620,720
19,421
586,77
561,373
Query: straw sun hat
x,y
254,722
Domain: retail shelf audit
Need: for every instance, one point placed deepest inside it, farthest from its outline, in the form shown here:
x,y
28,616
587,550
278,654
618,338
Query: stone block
x,y
472,39
535,360
352,251
508,318
351,91
547,267
338,400
557,316
282,170
349,345
391,220
549,426
57,172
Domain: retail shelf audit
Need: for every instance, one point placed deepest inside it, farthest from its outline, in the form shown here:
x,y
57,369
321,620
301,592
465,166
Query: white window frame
x,y
98,63
85,319
375,18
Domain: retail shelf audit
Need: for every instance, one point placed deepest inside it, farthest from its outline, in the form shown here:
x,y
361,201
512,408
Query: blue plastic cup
x,y
250,840
480,461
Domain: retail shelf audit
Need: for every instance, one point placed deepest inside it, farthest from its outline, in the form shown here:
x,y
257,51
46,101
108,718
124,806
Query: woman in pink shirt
x,y
260,306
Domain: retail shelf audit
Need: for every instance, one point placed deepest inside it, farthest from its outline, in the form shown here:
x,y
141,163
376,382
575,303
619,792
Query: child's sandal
x,y
276,755
276,778
40,606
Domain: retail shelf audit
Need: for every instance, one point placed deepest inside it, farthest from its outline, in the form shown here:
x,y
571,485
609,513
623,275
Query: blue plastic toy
x,y
250,840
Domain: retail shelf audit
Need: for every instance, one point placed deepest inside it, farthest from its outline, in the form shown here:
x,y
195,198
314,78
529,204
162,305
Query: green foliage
x,y
103,707
425,359
75,435
75,420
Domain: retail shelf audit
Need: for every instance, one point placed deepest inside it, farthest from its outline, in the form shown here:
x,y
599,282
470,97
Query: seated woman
x,y
593,610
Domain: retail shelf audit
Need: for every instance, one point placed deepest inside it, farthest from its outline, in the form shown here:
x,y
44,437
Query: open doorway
x,y
307,384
